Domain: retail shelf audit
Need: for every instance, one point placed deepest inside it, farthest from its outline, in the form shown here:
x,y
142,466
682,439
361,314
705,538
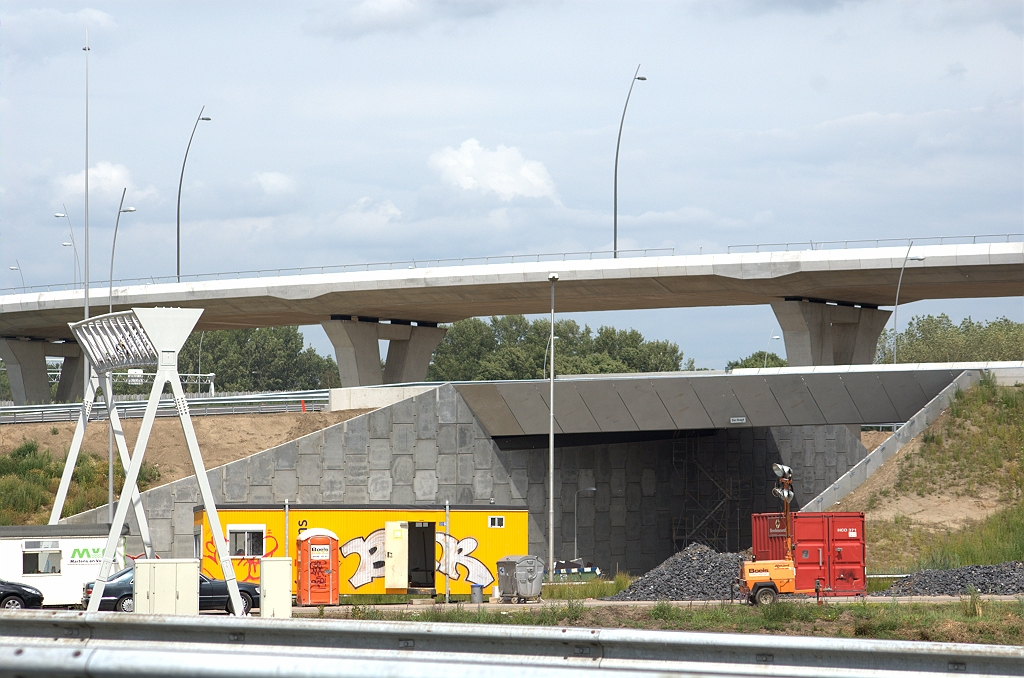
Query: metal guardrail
x,y
847,244
263,403
76,643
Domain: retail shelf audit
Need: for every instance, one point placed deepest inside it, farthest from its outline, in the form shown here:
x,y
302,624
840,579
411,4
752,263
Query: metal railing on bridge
x,y
260,403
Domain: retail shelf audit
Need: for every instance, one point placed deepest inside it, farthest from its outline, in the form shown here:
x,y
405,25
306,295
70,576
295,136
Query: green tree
x,y
5,383
935,339
512,347
262,359
755,360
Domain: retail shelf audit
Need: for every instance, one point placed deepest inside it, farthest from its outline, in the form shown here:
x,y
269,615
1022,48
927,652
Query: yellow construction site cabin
x,y
476,538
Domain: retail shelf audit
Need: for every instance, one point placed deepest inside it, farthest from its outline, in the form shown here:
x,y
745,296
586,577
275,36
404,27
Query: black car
x,y
118,594
15,596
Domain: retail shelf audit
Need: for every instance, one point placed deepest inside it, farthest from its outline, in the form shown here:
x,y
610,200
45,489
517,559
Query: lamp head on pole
x,y
204,118
60,215
13,268
640,77
128,209
553,277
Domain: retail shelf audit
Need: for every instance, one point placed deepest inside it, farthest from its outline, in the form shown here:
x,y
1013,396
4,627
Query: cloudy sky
x,y
382,130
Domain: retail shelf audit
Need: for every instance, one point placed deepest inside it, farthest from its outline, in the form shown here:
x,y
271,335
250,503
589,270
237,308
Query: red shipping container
x,y
826,546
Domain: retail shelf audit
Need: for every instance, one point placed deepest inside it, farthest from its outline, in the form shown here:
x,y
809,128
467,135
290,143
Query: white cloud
x,y
274,183
365,216
356,18
45,33
105,179
503,171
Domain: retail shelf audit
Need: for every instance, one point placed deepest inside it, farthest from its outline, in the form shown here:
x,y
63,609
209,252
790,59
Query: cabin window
x,y
41,557
246,541
496,521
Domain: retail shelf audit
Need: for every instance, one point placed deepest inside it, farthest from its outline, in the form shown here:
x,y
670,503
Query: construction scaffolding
x,y
716,497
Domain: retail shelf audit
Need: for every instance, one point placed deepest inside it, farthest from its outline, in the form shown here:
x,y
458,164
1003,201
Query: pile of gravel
x,y
695,573
1005,579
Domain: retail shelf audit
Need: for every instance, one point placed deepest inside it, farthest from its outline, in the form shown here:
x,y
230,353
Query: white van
x,y
56,559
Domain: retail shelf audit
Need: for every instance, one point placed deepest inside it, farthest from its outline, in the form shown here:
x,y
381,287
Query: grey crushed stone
x,y
697,572
1005,579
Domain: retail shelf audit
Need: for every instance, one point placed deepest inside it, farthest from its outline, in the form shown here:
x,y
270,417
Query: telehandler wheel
x,y
765,596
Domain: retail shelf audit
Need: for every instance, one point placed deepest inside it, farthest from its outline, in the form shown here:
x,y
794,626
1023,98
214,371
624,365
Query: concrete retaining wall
x,y
652,497
852,479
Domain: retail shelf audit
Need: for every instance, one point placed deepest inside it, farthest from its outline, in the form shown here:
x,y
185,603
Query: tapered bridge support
x,y
357,350
25,361
825,334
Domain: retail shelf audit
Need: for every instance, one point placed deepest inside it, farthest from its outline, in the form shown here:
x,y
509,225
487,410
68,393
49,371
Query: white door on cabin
x,y
396,555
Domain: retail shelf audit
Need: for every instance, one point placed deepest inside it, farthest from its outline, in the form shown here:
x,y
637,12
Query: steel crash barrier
x,y
44,643
262,403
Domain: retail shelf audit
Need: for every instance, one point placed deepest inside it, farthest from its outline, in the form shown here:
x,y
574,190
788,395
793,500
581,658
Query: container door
x,y
847,549
141,588
163,587
396,555
187,588
810,536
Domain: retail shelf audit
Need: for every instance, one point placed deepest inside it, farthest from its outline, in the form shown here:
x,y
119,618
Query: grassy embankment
x,y
970,620
977,448
29,478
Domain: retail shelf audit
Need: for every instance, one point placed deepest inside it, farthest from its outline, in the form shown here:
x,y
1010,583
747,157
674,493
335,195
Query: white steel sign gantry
x,y
150,336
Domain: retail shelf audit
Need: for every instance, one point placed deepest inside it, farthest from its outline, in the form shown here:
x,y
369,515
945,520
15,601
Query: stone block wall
x,y
426,450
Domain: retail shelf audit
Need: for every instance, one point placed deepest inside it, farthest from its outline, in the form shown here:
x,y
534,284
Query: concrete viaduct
x,y
826,301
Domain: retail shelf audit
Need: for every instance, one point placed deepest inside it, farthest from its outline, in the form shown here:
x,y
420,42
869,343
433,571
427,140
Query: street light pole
x,y
896,306
72,244
615,198
181,179
575,521
767,346
110,396
553,278
85,269
121,209
20,272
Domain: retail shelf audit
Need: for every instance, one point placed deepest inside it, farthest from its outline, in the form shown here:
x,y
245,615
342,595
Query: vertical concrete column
x,y
26,369
356,350
71,385
408,360
822,334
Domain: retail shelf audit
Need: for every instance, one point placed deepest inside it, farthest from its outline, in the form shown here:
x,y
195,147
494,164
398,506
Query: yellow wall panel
x,y
474,545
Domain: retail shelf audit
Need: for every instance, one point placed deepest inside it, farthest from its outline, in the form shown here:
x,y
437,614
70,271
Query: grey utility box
x,y
520,578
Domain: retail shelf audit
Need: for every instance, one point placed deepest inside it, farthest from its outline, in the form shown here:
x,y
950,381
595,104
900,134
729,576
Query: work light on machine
x,y
782,471
784,494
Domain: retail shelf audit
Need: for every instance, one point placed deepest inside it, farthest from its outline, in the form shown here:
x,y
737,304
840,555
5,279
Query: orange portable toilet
x,y
317,567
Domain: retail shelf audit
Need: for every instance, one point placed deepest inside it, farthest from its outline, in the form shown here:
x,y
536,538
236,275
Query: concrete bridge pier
x,y
25,360
358,354
817,333
26,369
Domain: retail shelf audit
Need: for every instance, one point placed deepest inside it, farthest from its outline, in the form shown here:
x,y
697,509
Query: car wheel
x,y
765,596
246,603
125,604
12,603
